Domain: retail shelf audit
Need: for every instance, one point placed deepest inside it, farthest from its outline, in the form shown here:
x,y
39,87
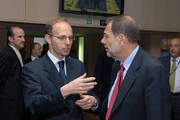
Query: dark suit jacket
x,y
27,60
5,65
144,93
11,99
42,85
102,73
166,62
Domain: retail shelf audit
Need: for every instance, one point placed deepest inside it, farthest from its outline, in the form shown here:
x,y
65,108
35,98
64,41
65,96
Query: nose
x,y
23,39
102,41
68,41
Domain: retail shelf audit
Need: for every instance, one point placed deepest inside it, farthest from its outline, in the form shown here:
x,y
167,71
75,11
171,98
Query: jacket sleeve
x,y
35,97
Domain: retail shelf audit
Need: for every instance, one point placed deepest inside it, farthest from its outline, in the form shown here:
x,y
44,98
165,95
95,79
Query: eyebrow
x,y
20,35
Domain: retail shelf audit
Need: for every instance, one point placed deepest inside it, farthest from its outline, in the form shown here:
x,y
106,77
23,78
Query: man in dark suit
x,y
174,75
50,88
11,97
139,88
102,73
35,52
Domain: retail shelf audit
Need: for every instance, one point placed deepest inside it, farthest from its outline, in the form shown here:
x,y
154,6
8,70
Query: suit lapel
x,y
128,81
115,69
68,69
52,72
13,53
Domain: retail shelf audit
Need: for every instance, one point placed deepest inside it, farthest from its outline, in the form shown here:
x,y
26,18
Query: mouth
x,y
67,49
172,51
22,43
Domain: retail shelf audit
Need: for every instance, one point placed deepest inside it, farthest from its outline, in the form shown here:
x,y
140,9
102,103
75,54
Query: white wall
x,y
39,40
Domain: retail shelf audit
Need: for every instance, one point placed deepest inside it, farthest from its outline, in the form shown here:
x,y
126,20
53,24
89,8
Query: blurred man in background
x,y
35,52
11,96
172,65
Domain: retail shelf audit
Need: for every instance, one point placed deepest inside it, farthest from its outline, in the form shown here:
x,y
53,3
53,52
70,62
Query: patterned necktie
x,y
115,91
61,71
172,76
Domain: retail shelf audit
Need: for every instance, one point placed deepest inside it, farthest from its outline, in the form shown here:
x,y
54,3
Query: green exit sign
x,y
89,21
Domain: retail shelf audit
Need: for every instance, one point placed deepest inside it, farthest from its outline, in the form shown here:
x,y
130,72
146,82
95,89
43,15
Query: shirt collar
x,y
15,49
130,58
33,58
177,59
53,58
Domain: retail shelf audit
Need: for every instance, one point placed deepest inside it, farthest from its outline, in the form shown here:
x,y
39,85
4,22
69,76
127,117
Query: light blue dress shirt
x,y
126,64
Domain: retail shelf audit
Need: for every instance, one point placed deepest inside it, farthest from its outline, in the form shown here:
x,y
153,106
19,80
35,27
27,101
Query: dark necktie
x,y
61,71
115,91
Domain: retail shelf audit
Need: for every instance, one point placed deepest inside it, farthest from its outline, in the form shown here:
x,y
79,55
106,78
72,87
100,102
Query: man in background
x,y
102,73
45,49
54,82
11,97
164,45
139,86
35,52
172,65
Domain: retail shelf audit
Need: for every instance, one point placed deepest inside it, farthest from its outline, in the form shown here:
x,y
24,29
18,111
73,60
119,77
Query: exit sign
x,y
89,21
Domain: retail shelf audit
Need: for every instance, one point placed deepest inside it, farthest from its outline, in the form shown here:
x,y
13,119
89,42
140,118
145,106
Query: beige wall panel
x,y
12,10
156,15
161,14
173,15
167,16
142,11
133,8
41,10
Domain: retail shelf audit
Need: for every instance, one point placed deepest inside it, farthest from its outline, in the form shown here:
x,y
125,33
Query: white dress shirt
x,y
55,60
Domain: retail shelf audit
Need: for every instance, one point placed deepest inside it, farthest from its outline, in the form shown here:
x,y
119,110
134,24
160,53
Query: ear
x,y
47,38
120,37
10,39
32,50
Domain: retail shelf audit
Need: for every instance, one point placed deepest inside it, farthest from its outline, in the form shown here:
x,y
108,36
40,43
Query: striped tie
x,y
61,71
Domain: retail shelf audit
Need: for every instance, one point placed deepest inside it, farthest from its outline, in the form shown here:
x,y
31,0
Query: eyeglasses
x,y
63,37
